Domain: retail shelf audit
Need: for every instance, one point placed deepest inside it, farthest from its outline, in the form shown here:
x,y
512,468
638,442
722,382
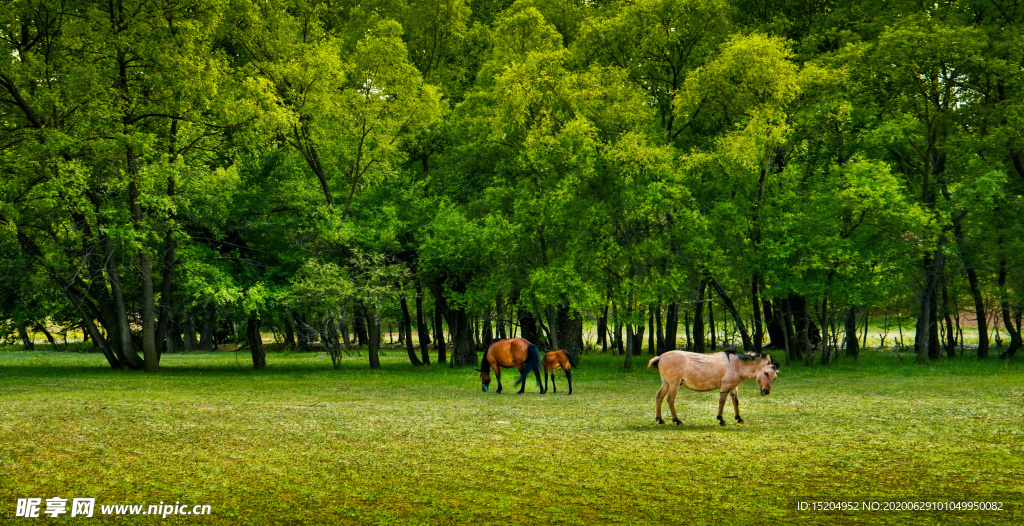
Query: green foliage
x,y
567,155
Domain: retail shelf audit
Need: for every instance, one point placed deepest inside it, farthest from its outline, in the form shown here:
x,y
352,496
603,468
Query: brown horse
x,y
706,372
518,353
554,360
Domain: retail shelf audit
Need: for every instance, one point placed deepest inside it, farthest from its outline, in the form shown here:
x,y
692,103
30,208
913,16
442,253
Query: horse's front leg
x,y
497,376
523,388
734,393
721,405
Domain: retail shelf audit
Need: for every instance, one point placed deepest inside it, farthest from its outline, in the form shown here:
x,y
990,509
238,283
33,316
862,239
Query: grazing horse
x,y
554,360
706,372
518,353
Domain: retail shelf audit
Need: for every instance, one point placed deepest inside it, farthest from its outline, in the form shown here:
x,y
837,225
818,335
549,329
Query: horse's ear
x,y
768,357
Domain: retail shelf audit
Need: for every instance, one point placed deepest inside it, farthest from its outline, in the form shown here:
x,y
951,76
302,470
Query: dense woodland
x,y
180,171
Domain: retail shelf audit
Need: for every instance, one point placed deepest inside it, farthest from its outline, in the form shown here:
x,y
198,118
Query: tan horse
x,y
706,372
553,361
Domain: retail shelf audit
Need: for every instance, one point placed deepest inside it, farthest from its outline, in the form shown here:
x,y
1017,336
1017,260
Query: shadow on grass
x,y
48,364
686,427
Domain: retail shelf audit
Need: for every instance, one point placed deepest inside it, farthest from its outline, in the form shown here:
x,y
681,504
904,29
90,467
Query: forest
x,y
178,173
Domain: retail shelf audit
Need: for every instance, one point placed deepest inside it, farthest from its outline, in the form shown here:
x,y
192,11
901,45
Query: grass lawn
x,y
301,443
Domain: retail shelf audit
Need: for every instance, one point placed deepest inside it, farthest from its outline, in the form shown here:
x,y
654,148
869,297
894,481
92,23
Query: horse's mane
x,y
742,356
745,357
483,359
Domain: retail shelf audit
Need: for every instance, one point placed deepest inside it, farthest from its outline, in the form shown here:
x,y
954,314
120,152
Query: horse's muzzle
x,y
764,392
485,388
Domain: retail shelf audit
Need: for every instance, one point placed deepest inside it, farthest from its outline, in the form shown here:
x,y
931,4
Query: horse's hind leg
x,y
673,388
545,380
568,378
536,373
657,401
734,393
554,388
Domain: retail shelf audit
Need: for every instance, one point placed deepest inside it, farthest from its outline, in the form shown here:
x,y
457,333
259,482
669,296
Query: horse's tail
x,y
654,362
572,360
532,363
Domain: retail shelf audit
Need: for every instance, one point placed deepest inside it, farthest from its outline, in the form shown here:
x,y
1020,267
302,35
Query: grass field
x,y
301,443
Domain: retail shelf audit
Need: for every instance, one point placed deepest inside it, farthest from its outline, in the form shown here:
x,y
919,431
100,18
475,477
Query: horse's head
x,y
485,377
767,374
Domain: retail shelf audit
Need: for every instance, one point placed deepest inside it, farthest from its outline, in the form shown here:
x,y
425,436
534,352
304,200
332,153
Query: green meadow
x,y
301,443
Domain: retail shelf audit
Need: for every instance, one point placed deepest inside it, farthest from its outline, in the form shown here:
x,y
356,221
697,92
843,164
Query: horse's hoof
x,y
660,421
739,420
677,421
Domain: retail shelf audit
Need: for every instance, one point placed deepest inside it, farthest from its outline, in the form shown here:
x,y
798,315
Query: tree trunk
x,y
686,330
125,349
634,343
652,333
487,333
806,334
617,333
755,302
372,323
289,332
950,343
343,330
712,331
163,326
1004,307
773,320
206,331
787,341
304,331
422,331
747,343
149,351
174,341
190,333
698,317
926,301
528,326
26,342
463,352
671,328
407,329
360,325
852,343
570,331
255,341
552,329
442,355
979,302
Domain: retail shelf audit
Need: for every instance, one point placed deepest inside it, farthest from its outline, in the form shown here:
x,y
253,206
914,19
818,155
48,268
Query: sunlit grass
x,y
302,443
